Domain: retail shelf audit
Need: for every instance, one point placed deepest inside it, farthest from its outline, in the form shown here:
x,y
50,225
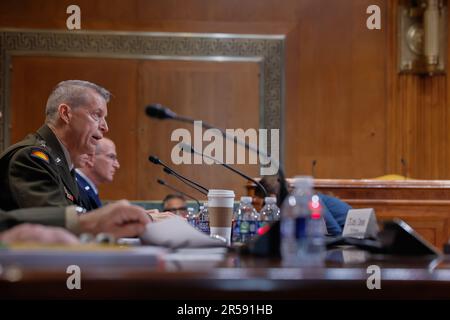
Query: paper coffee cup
x,y
220,210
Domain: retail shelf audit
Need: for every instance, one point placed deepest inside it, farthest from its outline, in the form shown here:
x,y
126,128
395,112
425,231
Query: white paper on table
x,y
177,233
194,258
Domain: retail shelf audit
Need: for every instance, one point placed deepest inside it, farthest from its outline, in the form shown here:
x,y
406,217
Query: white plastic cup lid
x,y
270,200
220,198
246,199
218,193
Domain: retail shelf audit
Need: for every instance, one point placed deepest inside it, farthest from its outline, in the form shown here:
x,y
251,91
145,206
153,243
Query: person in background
x,y
176,204
96,169
271,184
99,168
334,210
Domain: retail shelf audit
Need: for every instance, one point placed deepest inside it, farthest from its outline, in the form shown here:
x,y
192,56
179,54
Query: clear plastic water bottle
x,y
302,236
315,235
246,221
192,217
203,219
236,226
270,212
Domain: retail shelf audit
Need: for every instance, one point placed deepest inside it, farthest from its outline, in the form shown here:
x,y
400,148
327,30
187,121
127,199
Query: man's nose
x,y
103,126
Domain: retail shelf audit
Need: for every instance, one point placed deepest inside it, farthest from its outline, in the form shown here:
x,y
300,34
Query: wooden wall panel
x,y
346,105
338,118
158,15
417,118
224,94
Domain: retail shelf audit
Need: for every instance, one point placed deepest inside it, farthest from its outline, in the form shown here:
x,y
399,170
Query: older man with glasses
x,y
97,169
176,204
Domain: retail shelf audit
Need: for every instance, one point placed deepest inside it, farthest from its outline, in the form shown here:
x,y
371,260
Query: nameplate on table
x,y
361,224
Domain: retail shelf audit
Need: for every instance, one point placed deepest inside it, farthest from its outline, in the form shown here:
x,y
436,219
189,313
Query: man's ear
x,y
90,161
65,113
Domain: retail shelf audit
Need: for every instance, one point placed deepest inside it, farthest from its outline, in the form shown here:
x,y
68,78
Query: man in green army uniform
x,y
37,176
39,170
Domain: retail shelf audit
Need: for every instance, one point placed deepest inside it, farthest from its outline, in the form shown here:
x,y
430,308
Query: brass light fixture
x,y
422,36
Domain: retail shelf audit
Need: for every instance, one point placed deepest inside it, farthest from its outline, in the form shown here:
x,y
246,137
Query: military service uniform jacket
x,y
47,216
35,173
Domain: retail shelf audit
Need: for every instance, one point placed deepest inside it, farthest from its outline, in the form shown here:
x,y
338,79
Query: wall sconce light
x,y
422,36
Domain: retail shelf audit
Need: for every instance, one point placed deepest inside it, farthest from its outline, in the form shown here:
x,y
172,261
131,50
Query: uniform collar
x,y
55,144
66,154
56,149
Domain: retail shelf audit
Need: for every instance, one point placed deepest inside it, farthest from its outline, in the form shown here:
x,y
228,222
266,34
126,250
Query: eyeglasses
x,y
181,211
110,156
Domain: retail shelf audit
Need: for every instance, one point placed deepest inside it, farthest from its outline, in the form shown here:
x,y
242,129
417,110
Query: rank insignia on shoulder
x,y
40,155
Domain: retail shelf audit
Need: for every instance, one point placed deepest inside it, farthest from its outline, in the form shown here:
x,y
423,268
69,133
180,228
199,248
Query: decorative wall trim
x,y
267,50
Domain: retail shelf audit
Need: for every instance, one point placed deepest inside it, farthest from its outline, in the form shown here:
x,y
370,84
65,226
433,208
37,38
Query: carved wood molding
x,y
266,50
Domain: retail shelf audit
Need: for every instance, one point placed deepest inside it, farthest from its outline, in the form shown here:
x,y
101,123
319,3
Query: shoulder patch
x,y
40,155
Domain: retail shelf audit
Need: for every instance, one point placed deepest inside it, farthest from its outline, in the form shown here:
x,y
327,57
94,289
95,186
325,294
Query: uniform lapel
x,y
63,168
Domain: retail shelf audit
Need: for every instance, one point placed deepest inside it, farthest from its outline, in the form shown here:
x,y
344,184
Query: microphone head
x,y
160,181
167,170
158,111
154,160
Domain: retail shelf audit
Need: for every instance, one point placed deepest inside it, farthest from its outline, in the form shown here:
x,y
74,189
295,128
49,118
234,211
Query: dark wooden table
x,y
344,275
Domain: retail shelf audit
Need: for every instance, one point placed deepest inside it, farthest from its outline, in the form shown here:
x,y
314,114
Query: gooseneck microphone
x,y
404,168
159,111
190,149
187,181
313,168
165,184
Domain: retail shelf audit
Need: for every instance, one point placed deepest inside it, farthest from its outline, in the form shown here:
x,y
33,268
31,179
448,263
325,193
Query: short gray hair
x,y
73,93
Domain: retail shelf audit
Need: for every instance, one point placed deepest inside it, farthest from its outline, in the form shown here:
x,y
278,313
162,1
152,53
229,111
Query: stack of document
x,y
176,233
